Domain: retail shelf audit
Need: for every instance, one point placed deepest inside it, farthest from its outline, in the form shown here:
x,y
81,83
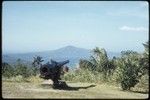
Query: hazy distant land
x,y
74,54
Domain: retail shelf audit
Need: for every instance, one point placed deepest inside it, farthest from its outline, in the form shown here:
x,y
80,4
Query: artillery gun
x,y
52,71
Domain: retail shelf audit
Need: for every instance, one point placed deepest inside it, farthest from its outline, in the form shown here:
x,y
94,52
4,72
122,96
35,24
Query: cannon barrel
x,y
62,63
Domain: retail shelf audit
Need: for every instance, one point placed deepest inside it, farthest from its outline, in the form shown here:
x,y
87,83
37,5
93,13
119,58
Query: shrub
x,y
83,75
143,85
22,70
128,69
34,79
7,70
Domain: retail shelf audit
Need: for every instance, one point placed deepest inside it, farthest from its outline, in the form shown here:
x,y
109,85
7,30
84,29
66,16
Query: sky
x,y
32,26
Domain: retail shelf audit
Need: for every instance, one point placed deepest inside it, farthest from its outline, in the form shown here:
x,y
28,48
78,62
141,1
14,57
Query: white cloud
x,y
127,28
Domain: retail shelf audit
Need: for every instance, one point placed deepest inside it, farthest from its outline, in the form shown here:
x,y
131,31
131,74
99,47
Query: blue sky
x,y
30,26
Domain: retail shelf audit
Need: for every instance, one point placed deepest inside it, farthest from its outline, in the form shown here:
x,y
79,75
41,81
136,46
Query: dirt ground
x,y
75,90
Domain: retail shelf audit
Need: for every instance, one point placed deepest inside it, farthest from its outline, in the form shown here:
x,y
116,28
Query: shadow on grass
x,y
74,88
142,92
66,87
136,91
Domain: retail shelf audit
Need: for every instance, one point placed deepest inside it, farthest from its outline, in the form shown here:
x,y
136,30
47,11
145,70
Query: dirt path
x,y
76,90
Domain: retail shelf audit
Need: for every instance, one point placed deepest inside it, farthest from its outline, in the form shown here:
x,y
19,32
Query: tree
x,y
99,62
21,69
129,69
85,64
104,65
7,70
144,61
112,65
37,63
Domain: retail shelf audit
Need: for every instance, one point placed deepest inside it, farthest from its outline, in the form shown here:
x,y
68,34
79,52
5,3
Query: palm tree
x,y
98,62
146,45
144,62
37,61
101,59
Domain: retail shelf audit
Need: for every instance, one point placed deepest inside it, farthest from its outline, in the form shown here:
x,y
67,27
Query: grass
x,y
12,89
35,87
19,78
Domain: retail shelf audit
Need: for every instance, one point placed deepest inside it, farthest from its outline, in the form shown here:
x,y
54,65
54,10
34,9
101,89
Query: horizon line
x,y
61,48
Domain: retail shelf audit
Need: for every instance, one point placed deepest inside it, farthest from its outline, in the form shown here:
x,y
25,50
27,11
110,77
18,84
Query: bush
x,y
34,79
83,75
128,69
143,85
22,70
7,70
18,78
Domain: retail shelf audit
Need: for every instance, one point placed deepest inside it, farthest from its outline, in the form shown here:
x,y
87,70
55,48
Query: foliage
x,y
126,70
37,61
129,70
131,67
36,65
7,70
143,84
144,61
99,62
34,79
15,70
21,69
83,75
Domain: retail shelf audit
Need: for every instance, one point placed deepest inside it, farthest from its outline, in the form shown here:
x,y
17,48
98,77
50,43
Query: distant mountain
x,y
71,53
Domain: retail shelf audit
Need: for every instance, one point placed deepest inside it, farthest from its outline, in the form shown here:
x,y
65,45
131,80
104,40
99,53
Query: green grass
x,y
12,89
81,83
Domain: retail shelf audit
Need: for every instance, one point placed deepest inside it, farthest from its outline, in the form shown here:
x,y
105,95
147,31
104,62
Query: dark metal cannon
x,y
52,71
